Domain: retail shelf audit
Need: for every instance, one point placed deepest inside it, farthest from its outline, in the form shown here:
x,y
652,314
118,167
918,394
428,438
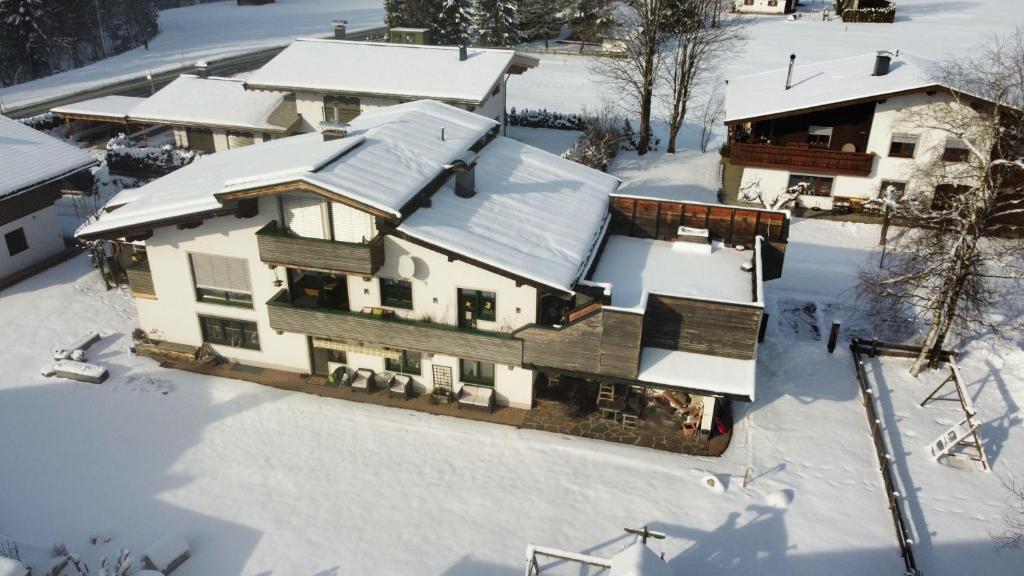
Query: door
x,y
469,303
303,215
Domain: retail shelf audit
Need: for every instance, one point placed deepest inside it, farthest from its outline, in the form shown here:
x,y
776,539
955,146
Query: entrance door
x,y
469,304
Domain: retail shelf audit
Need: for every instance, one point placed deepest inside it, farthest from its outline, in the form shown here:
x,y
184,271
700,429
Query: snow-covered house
x,y
35,169
212,114
422,242
765,6
336,80
840,127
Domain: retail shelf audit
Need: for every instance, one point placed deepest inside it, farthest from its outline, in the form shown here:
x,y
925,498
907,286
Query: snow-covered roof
x,y
534,214
823,83
215,102
113,107
29,158
715,374
403,70
637,267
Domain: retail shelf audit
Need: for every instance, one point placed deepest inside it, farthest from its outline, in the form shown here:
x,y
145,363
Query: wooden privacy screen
x,y
730,224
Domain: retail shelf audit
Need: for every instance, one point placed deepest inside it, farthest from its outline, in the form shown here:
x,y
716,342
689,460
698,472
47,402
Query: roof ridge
x,y
820,62
394,45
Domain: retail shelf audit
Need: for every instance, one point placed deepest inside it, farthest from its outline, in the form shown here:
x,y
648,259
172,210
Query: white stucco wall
x,y
42,234
890,118
761,7
310,106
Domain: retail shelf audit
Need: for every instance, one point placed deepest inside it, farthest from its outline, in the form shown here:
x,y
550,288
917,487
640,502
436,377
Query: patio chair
x,y
339,377
363,380
401,385
384,379
476,397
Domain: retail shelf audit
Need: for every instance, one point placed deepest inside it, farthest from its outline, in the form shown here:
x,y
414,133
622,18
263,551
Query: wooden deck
x,y
311,385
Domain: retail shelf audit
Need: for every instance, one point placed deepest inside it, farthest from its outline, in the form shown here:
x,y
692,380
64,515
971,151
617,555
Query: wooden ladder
x,y
606,393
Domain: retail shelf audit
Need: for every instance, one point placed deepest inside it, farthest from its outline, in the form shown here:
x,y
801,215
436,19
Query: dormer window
x,y
902,146
819,136
956,151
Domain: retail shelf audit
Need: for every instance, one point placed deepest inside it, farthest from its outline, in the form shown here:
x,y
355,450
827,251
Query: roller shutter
x,y
303,215
239,139
350,225
221,273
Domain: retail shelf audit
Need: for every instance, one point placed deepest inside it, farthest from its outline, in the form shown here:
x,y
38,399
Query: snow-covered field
x,y
205,32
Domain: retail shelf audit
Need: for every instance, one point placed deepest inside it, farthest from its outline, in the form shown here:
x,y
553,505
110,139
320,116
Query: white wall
x,y
310,106
761,7
42,234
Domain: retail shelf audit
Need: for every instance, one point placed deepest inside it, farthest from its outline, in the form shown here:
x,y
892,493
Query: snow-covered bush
x,y
601,140
125,159
43,122
878,11
546,119
630,139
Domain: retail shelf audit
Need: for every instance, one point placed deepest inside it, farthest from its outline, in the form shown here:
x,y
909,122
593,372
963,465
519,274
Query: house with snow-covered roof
x,y
836,128
336,80
35,170
418,251
211,114
765,6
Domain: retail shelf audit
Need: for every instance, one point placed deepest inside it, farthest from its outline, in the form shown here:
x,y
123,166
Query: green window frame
x,y
408,362
229,332
483,304
396,293
476,372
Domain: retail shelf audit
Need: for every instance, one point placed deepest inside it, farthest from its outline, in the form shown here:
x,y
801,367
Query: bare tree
x,y
1012,537
641,25
710,113
702,35
960,199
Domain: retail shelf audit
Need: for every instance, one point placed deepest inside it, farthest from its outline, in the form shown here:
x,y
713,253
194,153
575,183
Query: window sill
x,y
229,304
474,382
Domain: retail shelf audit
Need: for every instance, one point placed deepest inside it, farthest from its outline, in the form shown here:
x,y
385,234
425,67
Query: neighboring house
x,y
336,80
215,114
35,169
423,242
766,6
840,128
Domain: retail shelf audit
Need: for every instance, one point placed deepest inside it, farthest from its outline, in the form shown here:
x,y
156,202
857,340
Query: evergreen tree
x,y
497,22
589,19
453,23
25,45
398,13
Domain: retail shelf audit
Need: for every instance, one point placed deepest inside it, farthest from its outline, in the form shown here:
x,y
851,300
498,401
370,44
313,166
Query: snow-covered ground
x,y
205,32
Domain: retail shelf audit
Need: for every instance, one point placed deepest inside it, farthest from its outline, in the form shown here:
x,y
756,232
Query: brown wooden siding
x,y
715,328
850,125
312,253
140,278
620,343
801,159
28,202
394,333
729,224
607,342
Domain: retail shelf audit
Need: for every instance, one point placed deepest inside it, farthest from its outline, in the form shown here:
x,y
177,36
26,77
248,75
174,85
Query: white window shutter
x,y
221,273
350,225
303,215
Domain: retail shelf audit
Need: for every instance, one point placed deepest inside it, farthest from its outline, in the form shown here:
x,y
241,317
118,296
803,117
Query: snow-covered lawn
x,y
205,32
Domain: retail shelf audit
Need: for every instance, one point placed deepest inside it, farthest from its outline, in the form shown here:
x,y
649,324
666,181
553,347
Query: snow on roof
x,y
407,70
639,560
116,107
389,155
29,158
534,214
213,102
636,267
823,83
716,374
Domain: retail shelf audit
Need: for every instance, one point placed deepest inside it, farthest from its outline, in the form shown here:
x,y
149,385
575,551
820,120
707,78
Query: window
x,y
898,187
407,363
902,146
945,194
773,3
340,109
476,305
748,2
396,293
16,241
235,333
819,136
221,280
816,185
474,372
955,151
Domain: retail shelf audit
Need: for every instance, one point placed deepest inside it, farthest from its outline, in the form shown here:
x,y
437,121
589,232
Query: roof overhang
x,y
58,178
835,104
172,122
357,93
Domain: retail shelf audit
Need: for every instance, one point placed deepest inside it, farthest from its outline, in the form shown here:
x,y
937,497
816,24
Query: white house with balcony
x,y
336,80
841,128
765,6
419,248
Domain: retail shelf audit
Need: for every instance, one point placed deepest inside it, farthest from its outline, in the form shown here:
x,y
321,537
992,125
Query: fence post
x,y
833,336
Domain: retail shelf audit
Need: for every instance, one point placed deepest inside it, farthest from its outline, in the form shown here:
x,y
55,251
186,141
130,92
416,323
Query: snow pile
x,y
11,567
123,157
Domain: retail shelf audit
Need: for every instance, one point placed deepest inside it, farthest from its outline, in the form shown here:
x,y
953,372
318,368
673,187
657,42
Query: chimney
x,y
463,53
333,130
789,76
465,177
339,28
202,69
882,61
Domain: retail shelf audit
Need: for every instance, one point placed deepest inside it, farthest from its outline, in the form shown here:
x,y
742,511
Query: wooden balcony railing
x,y
818,160
283,249
398,333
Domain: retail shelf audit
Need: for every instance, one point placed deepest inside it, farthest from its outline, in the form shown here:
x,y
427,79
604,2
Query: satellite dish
x,y
406,267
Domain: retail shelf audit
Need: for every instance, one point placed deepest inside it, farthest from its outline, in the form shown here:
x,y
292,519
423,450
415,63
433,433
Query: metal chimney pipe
x,y
202,69
339,28
463,53
789,76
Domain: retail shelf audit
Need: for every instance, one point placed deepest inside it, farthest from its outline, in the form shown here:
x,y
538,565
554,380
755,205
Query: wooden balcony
x,y
280,248
392,332
141,280
815,160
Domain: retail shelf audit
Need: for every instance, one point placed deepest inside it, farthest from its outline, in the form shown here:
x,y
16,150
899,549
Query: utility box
x,y
410,36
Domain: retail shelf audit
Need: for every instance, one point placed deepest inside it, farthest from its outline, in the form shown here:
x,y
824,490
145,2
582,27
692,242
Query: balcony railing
x,y
818,160
284,249
398,333
141,280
